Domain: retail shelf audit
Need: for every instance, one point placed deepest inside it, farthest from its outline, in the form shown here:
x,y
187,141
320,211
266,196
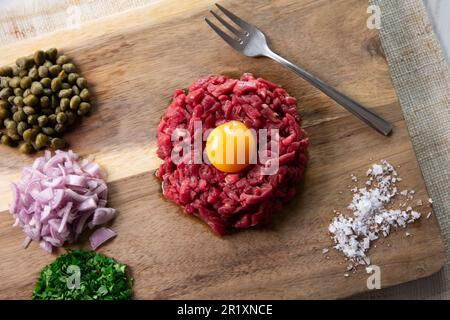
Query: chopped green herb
x,y
83,275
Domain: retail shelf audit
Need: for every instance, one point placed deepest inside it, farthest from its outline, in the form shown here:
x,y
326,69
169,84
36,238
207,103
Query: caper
x,y
6,71
4,82
18,91
29,110
21,127
5,93
69,67
49,131
6,140
13,136
18,101
66,86
46,82
25,82
14,82
72,78
39,57
28,135
4,113
41,140
31,100
52,119
56,84
33,73
47,64
51,54
84,108
11,126
62,59
75,102
57,143
43,71
6,121
61,117
45,102
32,119
11,102
64,104
24,63
84,95
57,110
65,93
62,75
19,116
15,70
3,104
23,73
71,117
37,88
76,90
26,148
26,93
60,127
54,70
47,92
42,121
81,83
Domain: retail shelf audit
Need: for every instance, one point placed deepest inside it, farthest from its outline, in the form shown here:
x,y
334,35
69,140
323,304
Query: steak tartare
x,y
232,200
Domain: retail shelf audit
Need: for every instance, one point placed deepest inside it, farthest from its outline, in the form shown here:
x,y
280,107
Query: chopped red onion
x,y
100,236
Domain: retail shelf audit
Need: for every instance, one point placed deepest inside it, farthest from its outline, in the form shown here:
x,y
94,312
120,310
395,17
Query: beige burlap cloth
x,y
418,69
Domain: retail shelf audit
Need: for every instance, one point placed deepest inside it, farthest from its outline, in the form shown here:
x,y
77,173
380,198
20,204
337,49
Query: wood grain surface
x,y
135,60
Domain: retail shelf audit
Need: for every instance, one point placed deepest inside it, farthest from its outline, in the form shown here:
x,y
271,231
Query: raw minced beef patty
x,y
233,200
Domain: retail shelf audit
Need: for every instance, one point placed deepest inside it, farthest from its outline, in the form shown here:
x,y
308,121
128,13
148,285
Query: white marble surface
x,y
439,11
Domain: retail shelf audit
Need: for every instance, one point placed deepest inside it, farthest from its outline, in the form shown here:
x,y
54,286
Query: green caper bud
x,y
39,57
33,73
11,102
6,121
56,84
5,140
41,140
72,78
60,127
54,102
46,111
69,67
24,63
25,82
49,131
30,100
45,102
4,82
43,71
21,127
65,86
62,75
46,82
61,117
37,88
19,116
42,121
64,104
75,102
51,54
18,91
29,110
47,92
18,101
5,93
84,95
62,59
81,83
3,104
57,143
26,148
71,117
6,71
47,64
84,108
32,119
15,70
4,113
52,119
13,136
76,90
26,93
57,110
28,135
11,126
14,82
54,70
65,93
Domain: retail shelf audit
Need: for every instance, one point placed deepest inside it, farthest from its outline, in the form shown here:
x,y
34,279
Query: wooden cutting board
x,y
135,60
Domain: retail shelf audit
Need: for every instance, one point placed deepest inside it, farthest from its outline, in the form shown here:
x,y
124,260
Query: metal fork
x,y
252,42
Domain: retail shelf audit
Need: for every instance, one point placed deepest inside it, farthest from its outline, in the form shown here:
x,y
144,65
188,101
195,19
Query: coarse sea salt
x,y
372,215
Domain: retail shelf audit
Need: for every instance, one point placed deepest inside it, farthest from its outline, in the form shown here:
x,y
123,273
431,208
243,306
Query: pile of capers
x,y
41,97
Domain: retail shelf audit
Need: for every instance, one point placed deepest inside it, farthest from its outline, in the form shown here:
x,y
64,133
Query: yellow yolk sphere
x,y
231,147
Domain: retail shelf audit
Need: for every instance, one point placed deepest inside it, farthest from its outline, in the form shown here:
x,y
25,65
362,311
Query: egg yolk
x,y
231,147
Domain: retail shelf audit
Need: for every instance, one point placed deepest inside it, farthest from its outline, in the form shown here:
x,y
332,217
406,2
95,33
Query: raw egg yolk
x,y
231,147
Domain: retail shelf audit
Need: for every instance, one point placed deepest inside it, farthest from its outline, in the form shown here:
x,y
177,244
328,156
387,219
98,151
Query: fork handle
x,y
369,117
